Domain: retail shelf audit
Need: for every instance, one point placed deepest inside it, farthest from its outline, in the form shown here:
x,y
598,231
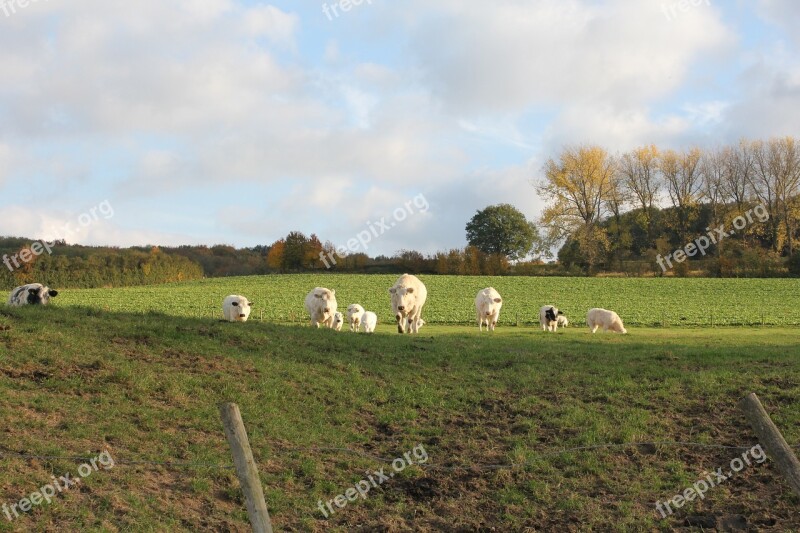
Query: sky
x,y
235,122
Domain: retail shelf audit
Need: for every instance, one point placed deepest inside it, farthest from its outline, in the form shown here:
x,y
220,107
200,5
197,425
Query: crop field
x,y
523,430
639,301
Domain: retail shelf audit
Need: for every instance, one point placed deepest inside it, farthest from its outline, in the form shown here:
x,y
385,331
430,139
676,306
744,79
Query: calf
x,y
354,313
338,321
603,318
548,318
368,321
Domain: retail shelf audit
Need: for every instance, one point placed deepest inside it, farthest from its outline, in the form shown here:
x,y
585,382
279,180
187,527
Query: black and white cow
x,y
548,318
31,294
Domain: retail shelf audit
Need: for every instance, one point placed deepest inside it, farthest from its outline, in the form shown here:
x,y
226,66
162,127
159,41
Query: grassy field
x,y
640,301
85,376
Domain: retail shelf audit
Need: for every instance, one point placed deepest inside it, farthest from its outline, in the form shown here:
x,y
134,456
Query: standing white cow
x,y
408,296
548,318
487,305
603,318
321,306
338,321
31,294
368,321
354,313
236,308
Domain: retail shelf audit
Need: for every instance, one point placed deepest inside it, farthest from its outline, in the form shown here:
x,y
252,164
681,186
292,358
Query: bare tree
x,y
765,187
738,174
784,157
639,171
683,181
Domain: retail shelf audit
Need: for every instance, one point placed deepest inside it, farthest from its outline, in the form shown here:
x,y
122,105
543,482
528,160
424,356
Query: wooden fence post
x,y
246,468
772,439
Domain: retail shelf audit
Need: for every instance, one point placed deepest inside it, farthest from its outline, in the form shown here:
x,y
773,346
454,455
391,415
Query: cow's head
x,y
550,314
493,304
404,300
242,308
326,297
40,295
338,320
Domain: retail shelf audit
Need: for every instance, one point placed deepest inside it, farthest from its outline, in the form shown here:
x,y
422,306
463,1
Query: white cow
x,y
236,308
487,305
408,297
548,318
31,294
338,321
603,318
368,321
563,321
354,313
321,306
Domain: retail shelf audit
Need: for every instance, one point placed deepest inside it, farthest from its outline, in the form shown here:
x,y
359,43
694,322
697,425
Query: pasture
x,y
639,301
139,372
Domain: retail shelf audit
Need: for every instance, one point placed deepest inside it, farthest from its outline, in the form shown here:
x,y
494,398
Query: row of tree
x,y
83,266
669,194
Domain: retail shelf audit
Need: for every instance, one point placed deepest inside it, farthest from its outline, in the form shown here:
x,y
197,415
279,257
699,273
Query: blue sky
x,y
222,121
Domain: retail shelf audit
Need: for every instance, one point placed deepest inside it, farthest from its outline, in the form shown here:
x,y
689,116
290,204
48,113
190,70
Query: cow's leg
x,y
480,321
400,324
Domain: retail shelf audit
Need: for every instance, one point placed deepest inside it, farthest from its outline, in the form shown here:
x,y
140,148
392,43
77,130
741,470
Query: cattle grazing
x,y
236,308
368,321
354,313
603,318
321,306
338,320
563,321
31,294
487,306
548,318
408,297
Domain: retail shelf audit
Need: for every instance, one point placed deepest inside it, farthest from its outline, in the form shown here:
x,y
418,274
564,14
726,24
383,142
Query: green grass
x,y
639,301
76,378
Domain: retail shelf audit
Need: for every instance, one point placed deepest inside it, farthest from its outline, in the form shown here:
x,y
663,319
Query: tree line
x,y
604,210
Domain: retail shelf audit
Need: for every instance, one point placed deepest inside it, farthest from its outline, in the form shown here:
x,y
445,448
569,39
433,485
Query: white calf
x,y
354,313
368,321
603,318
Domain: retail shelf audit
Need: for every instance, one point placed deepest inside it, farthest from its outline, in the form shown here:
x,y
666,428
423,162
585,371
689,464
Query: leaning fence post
x,y
770,436
246,468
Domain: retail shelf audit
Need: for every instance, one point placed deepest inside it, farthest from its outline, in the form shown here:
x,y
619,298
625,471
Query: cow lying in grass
x,y
31,294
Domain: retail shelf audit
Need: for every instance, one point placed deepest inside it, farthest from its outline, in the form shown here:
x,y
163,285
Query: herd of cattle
x,y
408,296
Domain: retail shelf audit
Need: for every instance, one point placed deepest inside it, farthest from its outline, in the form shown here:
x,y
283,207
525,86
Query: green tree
x,y
502,229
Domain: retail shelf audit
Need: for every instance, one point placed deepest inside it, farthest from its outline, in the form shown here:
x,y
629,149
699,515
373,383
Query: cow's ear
x,y
53,293
498,300
250,303
392,290
410,290
235,304
561,312
333,291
